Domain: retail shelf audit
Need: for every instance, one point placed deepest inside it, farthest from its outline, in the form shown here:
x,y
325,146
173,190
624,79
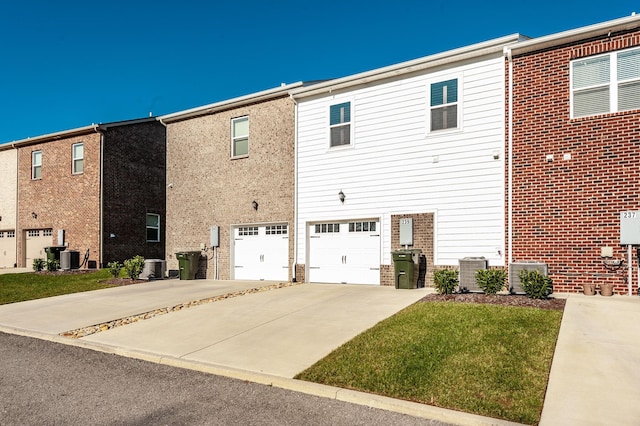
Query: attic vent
x,y
468,268
514,269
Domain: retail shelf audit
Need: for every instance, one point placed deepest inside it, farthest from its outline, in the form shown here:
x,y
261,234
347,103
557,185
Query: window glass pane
x,y
153,220
629,96
241,127
78,151
444,118
629,65
341,135
591,72
340,113
153,234
78,166
240,147
591,102
444,92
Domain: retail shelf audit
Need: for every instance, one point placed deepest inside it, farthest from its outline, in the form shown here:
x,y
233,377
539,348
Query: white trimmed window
x,y
247,231
36,165
340,124
443,103
77,158
240,137
605,83
153,228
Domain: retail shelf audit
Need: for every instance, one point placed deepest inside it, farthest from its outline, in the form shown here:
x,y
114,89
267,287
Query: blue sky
x,y
69,64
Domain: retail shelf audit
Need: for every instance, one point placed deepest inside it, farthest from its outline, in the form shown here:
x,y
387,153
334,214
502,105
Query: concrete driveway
x,y
278,332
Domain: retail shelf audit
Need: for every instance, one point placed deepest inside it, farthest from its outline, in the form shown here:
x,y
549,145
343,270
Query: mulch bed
x,y
498,299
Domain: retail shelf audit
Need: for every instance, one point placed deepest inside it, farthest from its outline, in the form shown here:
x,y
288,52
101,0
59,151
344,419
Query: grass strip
x,y
29,286
483,359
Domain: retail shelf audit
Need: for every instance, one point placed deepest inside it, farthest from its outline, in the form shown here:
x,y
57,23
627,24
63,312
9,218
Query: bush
x,y
491,281
445,281
114,268
53,265
535,285
38,264
134,266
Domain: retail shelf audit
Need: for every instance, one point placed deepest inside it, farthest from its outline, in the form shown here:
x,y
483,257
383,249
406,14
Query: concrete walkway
x,y
595,375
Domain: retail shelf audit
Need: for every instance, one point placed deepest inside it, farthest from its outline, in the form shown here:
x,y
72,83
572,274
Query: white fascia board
x,y
420,64
52,136
230,103
552,40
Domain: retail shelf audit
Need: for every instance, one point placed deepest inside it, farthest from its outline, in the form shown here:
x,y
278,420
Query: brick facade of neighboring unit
x,y
122,179
134,185
207,187
60,200
566,208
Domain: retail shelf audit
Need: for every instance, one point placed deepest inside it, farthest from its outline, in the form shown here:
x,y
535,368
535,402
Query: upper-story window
x,y
444,105
36,165
77,158
153,228
240,137
605,83
340,124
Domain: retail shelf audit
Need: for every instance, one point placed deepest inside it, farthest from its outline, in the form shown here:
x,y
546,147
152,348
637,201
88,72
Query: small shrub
x,y
491,281
535,285
134,266
445,281
53,265
38,264
114,268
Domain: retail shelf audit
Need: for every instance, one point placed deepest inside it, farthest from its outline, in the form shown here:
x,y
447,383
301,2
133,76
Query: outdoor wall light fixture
x,y
341,196
254,204
112,235
34,215
0,218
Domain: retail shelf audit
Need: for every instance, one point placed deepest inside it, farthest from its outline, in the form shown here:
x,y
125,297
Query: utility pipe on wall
x,y
509,259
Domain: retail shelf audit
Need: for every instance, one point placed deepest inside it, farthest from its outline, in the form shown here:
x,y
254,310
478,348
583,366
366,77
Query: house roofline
x,y
553,40
420,64
79,131
264,95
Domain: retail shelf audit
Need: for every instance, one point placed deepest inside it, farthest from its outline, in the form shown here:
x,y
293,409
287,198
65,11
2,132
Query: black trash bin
x,y
188,261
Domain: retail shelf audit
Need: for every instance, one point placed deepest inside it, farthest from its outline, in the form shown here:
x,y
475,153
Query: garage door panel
x,y
36,241
344,252
7,249
261,253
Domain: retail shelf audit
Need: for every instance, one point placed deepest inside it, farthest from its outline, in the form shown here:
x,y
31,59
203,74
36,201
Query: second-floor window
x,y
340,124
77,158
444,105
240,137
605,83
36,165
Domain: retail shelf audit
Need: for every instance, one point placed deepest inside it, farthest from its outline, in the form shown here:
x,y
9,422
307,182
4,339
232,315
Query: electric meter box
x,y
630,228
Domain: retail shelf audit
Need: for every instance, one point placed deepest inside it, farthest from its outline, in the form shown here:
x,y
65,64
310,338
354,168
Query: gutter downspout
x,y
507,52
295,190
101,232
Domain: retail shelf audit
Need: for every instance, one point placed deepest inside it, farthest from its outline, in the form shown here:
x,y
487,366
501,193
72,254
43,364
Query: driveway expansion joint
x,y
97,328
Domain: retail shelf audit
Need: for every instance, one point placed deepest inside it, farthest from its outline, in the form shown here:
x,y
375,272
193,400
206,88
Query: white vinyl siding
x,y
605,83
392,168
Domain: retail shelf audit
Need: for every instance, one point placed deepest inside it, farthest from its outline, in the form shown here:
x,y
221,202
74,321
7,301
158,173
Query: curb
x,y
323,391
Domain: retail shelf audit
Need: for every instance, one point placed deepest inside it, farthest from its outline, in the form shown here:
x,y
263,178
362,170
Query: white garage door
x,y
261,253
36,241
7,249
345,252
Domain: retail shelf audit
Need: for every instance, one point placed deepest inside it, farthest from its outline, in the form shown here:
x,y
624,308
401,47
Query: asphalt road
x,y
46,383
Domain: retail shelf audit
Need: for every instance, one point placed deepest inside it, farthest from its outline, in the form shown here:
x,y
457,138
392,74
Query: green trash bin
x,y
406,265
188,261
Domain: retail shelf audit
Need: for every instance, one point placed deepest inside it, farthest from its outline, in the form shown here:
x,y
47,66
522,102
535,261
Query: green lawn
x,y
484,359
28,286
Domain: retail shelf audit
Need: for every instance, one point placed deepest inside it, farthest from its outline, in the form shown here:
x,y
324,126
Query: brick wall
x,y
565,210
422,239
208,187
134,185
61,200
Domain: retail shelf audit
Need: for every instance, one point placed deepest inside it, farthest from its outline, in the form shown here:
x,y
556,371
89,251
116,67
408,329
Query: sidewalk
x,y
595,375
